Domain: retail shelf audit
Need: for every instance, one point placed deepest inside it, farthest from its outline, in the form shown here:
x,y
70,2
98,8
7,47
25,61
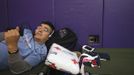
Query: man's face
x,y
42,33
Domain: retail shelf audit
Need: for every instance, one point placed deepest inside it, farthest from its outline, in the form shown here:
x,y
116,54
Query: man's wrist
x,y
12,49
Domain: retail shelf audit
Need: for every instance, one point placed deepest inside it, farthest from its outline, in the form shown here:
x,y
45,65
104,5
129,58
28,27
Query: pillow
x,y
62,59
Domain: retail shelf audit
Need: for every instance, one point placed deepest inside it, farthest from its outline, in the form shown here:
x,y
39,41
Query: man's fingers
x,y
17,28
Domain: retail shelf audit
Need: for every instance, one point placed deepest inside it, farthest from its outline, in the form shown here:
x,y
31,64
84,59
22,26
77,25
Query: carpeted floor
x,y
121,63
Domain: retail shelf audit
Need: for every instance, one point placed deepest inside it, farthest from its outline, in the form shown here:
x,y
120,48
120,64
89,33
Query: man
x,y
20,54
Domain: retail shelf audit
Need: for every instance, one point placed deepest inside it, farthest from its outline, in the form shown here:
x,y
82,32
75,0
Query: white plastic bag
x,y
62,59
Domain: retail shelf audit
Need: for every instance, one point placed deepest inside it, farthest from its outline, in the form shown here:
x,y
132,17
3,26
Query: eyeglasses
x,y
46,30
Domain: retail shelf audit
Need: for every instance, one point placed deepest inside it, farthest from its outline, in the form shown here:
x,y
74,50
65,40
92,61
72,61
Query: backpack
x,y
64,37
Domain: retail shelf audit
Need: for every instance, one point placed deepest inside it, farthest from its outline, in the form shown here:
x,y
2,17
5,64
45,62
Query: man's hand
x,y
11,38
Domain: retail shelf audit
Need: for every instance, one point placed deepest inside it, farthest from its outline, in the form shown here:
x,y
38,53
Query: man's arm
x,y
1,36
16,64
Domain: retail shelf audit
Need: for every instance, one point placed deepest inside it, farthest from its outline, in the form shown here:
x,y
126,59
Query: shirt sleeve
x,y
34,59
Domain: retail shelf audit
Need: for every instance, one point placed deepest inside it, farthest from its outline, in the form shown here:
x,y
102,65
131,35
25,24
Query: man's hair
x,y
49,24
